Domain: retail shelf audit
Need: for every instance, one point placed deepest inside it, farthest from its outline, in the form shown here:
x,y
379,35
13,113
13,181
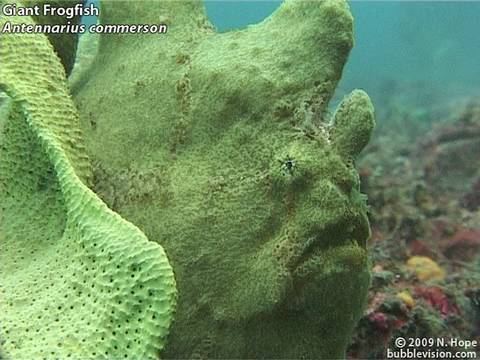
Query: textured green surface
x,y
65,45
76,280
219,147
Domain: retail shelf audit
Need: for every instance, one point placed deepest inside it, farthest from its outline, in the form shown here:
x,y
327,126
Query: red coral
x,y
436,297
456,242
420,247
463,245
380,320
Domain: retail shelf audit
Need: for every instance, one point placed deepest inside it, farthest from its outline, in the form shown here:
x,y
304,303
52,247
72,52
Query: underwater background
x,y
168,153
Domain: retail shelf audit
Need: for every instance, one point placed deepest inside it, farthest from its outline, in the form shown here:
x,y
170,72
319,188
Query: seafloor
x,y
422,176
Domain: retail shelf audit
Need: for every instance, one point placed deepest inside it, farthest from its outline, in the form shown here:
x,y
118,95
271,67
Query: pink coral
x,y
380,320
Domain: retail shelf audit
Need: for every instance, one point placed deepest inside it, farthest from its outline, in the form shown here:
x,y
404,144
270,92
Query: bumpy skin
x,y
65,45
76,280
219,147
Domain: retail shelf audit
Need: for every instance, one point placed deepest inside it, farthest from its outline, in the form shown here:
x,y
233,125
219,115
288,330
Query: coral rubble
x,y
422,182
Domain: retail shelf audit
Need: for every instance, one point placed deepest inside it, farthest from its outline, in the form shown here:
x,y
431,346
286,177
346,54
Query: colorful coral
x,y
426,231
425,268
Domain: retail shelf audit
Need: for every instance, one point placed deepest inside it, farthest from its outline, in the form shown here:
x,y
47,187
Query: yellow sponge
x,y
425,268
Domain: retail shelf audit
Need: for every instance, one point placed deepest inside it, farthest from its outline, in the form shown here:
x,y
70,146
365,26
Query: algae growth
x,y
220,148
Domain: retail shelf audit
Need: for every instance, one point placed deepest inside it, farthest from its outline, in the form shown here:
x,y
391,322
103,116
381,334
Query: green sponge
x,y
77,280
65,44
